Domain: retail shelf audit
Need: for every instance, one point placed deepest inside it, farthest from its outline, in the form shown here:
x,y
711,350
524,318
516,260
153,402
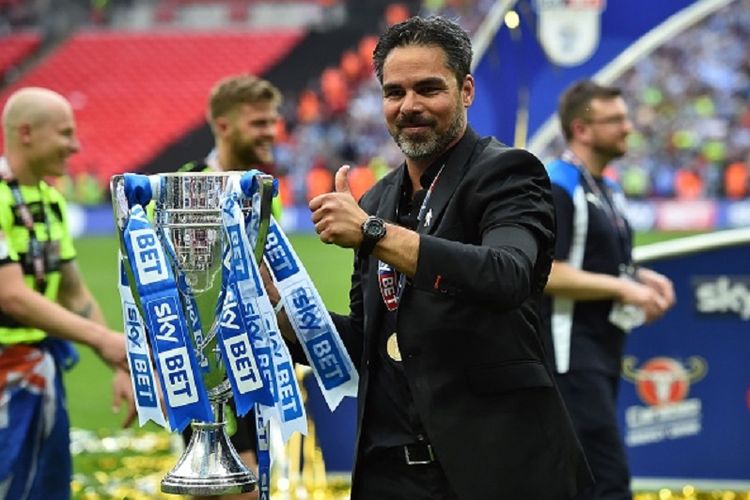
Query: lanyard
x,y
386,274
36,249
606,202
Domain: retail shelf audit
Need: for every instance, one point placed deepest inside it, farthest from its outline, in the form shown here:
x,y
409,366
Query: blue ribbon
x,y
240,323
289,408
329,360
178,370
145,392
264,454
137,189
286,406
188,302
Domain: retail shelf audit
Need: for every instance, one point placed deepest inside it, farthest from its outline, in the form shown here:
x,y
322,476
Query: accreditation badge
x,y
4,247
52,254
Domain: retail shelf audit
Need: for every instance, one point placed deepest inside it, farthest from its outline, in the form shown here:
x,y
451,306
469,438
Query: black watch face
x,y
374,228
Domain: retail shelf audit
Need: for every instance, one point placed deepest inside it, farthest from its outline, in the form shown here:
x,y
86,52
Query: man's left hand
x,y
659,283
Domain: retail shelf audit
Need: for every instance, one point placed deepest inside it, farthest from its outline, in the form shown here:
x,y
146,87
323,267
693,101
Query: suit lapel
x,y
453,172
386,209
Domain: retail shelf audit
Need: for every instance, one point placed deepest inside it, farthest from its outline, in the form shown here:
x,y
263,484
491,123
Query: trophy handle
x,y
265,186
121,211
119,202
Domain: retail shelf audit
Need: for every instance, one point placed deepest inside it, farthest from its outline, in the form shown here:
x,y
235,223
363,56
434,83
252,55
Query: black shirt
x,y
595,343
391,418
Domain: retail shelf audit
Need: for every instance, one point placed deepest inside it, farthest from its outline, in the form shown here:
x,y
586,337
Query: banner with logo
x,y
685,391
521,70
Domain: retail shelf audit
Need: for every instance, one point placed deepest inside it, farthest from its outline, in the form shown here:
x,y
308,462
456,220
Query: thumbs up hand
x,y
337,216
341,181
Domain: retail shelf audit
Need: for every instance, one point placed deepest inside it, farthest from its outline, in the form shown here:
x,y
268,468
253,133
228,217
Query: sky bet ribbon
x,y
285,404
178,369
271,351
188,302
236,326
245,282
147,401
329,360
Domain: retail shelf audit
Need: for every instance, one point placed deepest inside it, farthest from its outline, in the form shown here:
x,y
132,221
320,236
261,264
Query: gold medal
x,y
391,347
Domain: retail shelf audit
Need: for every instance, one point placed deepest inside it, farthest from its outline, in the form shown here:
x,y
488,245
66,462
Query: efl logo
x,y
663,384
661,381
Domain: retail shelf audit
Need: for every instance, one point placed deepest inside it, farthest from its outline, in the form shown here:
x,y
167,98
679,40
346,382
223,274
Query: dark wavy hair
x,y
428,32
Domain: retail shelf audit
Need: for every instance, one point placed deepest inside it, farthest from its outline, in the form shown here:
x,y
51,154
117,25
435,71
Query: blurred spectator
x,y
736,180
688,184
690,111
361,179
308,107
635,181
396,13
319,181
334,89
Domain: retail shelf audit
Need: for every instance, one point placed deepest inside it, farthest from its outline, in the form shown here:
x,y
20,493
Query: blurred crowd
x,y
690,104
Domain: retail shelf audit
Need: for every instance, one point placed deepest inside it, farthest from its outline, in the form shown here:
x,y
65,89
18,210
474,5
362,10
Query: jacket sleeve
x,y
511,208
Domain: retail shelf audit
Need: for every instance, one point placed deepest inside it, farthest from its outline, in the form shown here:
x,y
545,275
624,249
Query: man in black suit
x,y
452,254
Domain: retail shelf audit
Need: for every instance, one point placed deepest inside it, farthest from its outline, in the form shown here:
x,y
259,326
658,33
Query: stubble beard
x,y
612,151
431,146
248,155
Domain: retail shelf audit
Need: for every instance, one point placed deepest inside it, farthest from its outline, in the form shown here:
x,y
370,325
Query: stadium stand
x,y
14,48
135,93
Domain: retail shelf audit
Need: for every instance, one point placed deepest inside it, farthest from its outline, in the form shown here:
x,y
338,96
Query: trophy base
x,y
209,466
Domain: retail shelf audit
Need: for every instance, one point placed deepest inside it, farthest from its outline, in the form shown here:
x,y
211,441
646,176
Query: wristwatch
x,y
373,230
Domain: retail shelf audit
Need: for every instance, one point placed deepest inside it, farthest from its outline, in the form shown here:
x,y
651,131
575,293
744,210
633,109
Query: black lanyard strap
x,y
606,201
386,272
36,248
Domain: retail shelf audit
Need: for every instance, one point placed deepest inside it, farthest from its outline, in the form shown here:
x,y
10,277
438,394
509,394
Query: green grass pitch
x,y
89,383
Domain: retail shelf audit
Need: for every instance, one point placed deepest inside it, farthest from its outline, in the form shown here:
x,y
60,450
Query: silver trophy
x,y
187,217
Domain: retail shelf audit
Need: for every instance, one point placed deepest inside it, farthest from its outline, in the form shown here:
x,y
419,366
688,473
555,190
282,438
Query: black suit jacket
x,y
468,327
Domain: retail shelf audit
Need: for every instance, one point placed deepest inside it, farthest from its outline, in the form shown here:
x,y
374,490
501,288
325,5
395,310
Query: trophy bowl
x,y
187,219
